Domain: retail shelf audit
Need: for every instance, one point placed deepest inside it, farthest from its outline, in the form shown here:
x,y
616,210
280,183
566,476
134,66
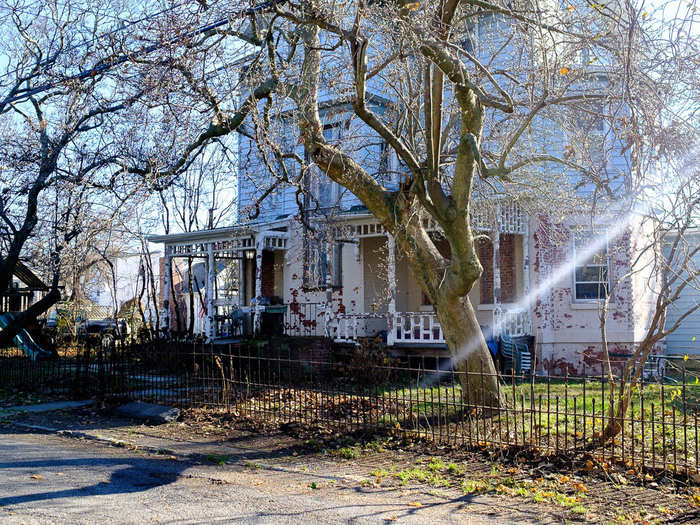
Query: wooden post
x,y
241,280
391,278
327,304
210,328
165,315
526,270
496,243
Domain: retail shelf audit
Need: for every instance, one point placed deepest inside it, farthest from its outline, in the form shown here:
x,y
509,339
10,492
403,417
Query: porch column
x,y
391,277
257,318
210,328
496,243
526,272
241,280
496,239
328,304
165,313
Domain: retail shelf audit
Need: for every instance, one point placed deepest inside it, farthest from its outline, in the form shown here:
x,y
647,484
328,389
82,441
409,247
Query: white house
x,y
345,280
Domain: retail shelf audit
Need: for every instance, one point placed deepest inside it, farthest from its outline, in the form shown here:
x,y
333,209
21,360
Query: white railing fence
x,y
348,328
415,327
512,322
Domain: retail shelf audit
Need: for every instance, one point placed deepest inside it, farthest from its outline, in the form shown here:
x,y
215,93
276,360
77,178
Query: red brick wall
x,y
507,249
268,273
508,270
485,251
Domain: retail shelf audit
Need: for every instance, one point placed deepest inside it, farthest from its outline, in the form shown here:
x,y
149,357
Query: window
x,y
591,279
587,132
321,190
316,263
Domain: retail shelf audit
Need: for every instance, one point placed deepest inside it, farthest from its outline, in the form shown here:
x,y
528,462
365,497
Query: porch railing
x,y
512,322
416,327
348,328
305,319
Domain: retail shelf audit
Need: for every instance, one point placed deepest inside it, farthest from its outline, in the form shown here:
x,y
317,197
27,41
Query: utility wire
x,y
108,64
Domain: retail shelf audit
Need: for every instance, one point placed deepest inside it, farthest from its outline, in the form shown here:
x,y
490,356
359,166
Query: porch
x,y
392,304
353,284
231,305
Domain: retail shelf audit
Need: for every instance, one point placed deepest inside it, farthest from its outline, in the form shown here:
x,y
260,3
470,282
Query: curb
x,y
44,407
106,440
191,456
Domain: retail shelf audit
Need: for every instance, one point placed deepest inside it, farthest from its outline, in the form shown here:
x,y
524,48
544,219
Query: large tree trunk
x,y
471,357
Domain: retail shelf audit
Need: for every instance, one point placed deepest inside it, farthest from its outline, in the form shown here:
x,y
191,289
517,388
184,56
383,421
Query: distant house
x,y
27,288
686,339
118,287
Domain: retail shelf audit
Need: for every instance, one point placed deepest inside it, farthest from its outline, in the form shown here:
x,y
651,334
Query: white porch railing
x,y
512,322
415,327
348,328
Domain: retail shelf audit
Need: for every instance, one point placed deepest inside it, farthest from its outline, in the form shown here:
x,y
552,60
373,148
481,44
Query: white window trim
x,y
583,303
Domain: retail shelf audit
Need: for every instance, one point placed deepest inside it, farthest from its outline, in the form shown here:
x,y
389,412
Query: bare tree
x,y
492,97
552,105
664,263
56,108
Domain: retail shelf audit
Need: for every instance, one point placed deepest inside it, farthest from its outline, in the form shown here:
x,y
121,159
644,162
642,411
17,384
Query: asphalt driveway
x,y
46,478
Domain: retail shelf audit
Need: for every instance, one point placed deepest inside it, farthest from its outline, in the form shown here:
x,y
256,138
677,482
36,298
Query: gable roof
x,y
28,277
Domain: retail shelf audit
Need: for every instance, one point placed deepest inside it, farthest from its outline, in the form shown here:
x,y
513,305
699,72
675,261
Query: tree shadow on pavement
x,y
42,473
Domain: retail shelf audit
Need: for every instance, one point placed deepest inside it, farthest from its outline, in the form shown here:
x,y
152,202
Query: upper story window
x,y
591,270
321,190
586,133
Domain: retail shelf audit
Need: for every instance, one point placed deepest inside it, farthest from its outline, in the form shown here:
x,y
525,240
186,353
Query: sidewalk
x,y
404,476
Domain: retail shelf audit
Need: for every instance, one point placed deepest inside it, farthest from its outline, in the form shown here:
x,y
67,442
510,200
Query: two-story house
x,y
331,268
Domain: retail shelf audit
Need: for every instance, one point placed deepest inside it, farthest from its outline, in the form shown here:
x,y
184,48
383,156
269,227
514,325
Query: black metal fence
x,y
310,385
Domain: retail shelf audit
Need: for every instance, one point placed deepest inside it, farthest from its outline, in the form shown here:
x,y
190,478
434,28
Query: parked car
x,y
60,322
102,331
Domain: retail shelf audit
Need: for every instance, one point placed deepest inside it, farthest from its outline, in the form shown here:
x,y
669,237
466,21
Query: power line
x,y
84,43
109,64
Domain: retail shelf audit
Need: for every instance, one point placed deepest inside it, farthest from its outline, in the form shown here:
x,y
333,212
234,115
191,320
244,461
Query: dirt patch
x,y
13,397
571,488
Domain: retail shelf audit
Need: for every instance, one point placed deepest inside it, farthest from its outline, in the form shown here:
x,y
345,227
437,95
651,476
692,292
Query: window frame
x,y
605,284
313,188
321,248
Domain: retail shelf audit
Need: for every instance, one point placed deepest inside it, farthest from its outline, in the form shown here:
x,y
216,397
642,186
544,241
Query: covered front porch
x,y
394,307
233,307
348,285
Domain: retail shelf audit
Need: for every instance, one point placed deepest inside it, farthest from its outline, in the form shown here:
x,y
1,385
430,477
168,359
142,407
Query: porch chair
x,y
516,356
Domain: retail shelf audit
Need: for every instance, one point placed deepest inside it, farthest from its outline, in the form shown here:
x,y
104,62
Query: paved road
x,y
52,479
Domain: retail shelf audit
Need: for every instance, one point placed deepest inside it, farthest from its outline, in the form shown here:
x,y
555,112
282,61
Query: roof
x,y
28,277
203,235
223,233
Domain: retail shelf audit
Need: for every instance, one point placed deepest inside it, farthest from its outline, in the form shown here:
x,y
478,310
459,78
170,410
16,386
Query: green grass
x,y
554,415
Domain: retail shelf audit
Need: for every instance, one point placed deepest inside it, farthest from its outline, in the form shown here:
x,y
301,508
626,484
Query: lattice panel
x,y
511,218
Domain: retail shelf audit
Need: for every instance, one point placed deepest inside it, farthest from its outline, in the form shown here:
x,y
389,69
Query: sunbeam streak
x,y
559,274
